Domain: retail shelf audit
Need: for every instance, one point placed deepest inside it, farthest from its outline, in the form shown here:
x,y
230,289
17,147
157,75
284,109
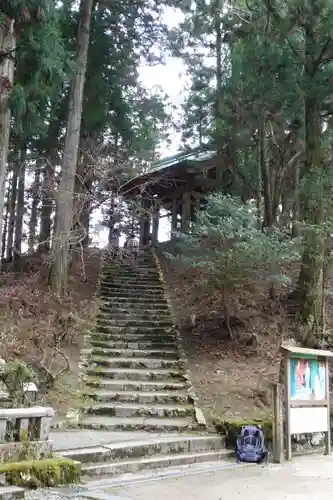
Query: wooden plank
x,y
186,212
328,433
287,408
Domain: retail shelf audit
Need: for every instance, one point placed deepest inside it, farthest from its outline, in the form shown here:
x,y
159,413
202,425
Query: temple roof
x,y
181,172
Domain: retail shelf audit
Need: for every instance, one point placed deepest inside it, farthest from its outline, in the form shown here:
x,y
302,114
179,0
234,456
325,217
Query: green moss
x,y
94,382
38,473
231,429
24,435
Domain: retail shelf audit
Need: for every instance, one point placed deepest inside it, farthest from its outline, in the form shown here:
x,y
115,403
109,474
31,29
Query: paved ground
x,y
308,478
74,439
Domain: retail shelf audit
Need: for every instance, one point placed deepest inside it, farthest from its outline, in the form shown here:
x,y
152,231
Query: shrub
x,y
230,251
38,473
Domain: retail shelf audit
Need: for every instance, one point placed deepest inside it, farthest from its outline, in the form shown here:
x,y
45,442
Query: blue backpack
x,y
250,446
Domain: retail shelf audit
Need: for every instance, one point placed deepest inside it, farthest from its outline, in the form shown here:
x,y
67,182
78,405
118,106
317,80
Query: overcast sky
x,y
170,76
172,79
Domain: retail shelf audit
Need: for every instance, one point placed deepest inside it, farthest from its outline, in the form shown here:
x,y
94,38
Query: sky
x,y
171,78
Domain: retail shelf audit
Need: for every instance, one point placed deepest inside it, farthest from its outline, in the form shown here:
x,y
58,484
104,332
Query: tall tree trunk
x,y
47,197
259,185
20,207
309,286
82,198
85,213
5,223
61,242
7,50
34,208
296,207
266,181
218,112
111,217
47,188
12,211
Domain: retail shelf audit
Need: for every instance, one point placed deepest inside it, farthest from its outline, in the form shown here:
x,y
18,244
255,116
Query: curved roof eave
x,y
162,167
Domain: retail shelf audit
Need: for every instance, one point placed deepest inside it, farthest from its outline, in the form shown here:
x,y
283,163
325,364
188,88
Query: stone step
x,y
143,323
141,315
135,280
122,409
104,317
11,493
127,297
138,423
121,271
140,272
135,300
137,385
137,284
157,462
136,363
137,374
109,308
110,334
141,263
133,353
134,339
135,306
146,448
164,397
149,265
145,293
139,345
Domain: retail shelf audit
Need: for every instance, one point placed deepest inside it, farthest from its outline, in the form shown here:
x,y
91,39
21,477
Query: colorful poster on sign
x,y
307,380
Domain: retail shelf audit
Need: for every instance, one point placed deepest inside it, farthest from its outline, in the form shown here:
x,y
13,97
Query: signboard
x,y
307,379
308,420
307,407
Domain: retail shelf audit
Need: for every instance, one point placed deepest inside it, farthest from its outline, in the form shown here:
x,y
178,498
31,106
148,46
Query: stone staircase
x,y
134,367
137,384
142,457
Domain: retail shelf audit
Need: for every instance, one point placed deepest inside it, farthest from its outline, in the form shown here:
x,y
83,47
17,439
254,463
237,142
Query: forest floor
x,y
44,331
232,378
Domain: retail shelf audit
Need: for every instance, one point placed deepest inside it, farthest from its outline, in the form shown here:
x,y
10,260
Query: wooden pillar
x,y
278,432
156,221
144,222
328,433
174,218
186,212
287,407
197,207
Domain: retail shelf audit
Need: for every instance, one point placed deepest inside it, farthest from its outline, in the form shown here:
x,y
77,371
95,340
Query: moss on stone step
x,y
38,473
232,428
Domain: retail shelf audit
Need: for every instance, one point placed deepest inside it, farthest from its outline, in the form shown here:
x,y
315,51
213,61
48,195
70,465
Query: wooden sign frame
x,y
313,397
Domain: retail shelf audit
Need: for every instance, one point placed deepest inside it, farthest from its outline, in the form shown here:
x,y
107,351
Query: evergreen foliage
x,y
258,92
230,249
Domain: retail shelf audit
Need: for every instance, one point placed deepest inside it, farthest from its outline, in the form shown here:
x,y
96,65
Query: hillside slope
x,y
47,332
232,378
